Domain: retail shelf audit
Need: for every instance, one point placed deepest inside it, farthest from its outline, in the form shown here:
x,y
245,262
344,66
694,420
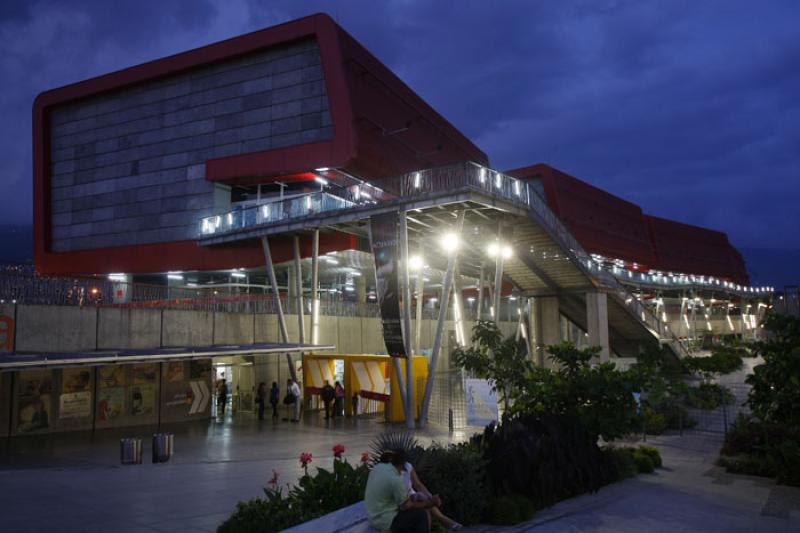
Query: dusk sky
x,y
690,109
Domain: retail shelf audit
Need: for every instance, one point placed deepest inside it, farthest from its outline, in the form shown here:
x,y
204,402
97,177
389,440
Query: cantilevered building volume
x,y
260,163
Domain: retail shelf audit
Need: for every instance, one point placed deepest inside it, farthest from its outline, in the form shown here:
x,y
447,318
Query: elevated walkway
x,y
547,261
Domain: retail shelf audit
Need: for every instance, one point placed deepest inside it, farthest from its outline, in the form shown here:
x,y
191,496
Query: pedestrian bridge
x,y
483,206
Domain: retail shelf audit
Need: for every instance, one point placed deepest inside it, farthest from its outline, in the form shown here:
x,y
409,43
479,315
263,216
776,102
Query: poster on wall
x,y
143,399
200,369
175,371
110,403
75,380
75,405
481,402
144,374
33,407
384,243
110,376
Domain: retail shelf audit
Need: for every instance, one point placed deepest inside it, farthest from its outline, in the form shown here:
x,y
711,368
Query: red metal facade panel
x,y
603,223
694,250
381,128
615,228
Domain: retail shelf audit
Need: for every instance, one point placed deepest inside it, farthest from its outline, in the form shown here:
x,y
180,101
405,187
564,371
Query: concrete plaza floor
x,y
74,482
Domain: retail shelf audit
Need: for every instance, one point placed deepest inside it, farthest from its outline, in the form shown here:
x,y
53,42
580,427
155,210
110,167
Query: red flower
x,y
338,451
364,457
305,458
274,479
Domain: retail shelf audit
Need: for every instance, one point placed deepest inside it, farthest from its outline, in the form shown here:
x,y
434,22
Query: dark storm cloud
x,y
688,108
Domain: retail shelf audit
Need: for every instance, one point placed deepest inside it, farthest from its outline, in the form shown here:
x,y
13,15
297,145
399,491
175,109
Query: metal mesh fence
x,y
448,407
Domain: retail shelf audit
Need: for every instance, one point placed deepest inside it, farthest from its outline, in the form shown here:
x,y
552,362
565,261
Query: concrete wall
x,y
49,328
128,328
234,328
129,167
187,328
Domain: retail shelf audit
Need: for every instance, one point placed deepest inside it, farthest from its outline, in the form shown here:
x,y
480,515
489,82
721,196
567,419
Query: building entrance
x,y
239,378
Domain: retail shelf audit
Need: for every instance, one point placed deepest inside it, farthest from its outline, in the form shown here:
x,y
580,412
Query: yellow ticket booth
x,y
371,377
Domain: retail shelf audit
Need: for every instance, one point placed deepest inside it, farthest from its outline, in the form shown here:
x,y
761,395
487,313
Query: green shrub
x,y
621,462
503,511
677,417
509,510
525,506
653,454
456,473
709,396
655,423
644,464
785,461
314,496
751,465
546,457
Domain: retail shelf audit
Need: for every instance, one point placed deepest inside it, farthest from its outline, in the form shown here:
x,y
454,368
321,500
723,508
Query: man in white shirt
x,y
295,390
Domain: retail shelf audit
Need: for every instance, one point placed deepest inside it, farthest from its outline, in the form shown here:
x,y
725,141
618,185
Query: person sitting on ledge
x,y
387,502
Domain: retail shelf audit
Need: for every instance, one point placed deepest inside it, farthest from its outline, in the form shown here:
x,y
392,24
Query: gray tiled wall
x,y
129,167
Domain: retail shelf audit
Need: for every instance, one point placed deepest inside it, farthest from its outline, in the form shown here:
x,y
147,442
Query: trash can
x,y
162,447
130,451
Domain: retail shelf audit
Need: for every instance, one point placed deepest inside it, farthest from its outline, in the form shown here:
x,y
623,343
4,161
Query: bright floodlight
x,y
450,242
414,262
495,248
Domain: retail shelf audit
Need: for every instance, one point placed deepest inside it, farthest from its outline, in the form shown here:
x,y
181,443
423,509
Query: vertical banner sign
x,y
384,242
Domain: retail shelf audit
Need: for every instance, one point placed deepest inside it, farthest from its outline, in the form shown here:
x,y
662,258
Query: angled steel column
x,y
315,287
458,307
437,340
298,281
277,294
498,284
406,293
479,314
420,289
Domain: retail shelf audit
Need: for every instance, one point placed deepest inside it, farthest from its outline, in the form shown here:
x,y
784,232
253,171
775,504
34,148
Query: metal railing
x,y
277,211
479,178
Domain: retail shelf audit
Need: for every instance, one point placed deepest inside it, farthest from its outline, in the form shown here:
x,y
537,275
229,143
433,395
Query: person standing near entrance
x,y
297,400
222,395
328,395
261,399
338,406
274,397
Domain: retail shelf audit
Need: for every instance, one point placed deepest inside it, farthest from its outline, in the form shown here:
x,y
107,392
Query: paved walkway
x,y
690,494
74,482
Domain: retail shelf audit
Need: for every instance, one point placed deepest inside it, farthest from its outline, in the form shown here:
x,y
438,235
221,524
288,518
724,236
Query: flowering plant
x,y
305,458
274,479
338,451
364,458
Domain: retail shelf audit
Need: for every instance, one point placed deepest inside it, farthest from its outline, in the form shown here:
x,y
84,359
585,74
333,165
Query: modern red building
x,y
616,229
127,164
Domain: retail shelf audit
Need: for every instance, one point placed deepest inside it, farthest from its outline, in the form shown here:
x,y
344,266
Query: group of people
x,y
333,397
396,499
292,399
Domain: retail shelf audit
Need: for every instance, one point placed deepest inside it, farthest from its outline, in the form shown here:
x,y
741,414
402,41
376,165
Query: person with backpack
x,y
274,398
328,395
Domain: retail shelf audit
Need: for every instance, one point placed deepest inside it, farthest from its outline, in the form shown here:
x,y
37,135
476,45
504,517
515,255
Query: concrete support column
x,y
597,323
545,326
